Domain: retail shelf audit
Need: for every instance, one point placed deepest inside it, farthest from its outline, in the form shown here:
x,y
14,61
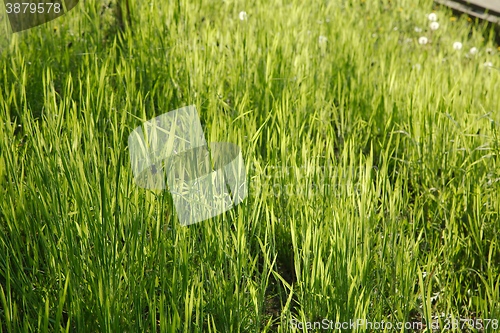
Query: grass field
x,y
372,157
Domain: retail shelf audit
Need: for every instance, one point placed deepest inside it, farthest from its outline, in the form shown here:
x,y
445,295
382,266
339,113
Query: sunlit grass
x,y
373,182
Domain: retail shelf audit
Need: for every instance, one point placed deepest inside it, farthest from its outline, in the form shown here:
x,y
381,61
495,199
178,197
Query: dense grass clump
x,y
372,159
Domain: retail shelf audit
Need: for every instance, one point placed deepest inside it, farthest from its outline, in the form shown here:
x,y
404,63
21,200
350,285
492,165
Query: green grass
x,y
374,182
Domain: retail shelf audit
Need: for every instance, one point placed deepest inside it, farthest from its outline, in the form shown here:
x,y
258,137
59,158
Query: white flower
x,y
488,64
473,50
243,15
489,50
417,29
435,297
322,39
434,25
432,17
457,46
423,40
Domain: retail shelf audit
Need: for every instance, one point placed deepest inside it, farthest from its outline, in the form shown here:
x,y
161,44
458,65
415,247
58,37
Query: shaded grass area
x,y
373,182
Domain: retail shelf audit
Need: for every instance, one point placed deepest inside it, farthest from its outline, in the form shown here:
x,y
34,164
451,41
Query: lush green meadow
x,y
372,162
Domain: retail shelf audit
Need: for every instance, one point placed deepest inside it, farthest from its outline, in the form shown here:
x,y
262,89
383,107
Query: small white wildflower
x,y
435,297
423,40
432,17
489,50
434,25
243,15
322,39
417,29
457,46
473,50
488,64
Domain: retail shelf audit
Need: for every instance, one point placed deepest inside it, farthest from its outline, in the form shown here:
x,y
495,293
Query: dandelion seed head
x,y
243,15
457,46
432,17
423,40
322,39
434,25
473,50
417,29
488,64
